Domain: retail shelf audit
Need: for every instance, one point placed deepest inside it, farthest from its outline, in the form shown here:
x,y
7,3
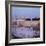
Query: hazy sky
x,y
26,11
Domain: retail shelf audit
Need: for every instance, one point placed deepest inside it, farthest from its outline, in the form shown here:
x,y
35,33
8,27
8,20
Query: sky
x,y
25,11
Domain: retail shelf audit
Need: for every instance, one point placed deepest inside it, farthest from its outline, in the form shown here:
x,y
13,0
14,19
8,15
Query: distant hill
x,y
28,19
35,19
